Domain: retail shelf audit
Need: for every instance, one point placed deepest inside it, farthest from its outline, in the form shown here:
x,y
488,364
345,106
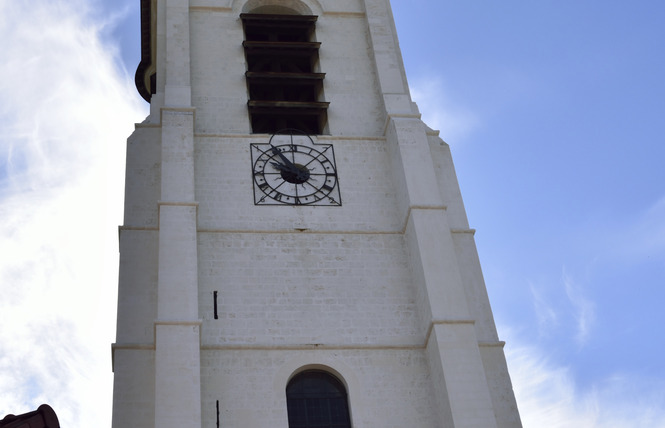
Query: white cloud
x,y
542,307
549,397
628,237
644,238
563,305
584,309
66,112
654,225
454,122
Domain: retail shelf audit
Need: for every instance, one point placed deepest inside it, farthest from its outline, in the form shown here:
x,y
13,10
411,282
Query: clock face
x,y
292,170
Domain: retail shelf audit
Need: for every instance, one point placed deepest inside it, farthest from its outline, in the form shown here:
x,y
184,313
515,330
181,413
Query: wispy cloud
x,y
629,236
583,308
548,396
546,315
644,238
438,110
563,304
66,111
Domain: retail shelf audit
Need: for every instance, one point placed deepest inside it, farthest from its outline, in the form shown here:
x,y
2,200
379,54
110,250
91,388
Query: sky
x,y
554,111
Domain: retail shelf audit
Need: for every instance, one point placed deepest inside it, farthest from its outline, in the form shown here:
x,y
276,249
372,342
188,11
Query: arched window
x,y
317,399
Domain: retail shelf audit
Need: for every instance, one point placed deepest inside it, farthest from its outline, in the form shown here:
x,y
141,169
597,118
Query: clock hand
x,y
284,159
293,170
280,166
294,173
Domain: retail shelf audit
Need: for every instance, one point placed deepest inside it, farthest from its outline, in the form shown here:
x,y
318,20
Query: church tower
x,y
295,251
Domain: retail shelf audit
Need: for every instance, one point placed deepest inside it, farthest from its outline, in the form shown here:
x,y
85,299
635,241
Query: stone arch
x,y
317,394
319,367
335,367
280,7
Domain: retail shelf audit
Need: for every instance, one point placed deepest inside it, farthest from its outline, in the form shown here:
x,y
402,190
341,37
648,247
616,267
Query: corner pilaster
x,y
460,390
178,91
388,58
177,327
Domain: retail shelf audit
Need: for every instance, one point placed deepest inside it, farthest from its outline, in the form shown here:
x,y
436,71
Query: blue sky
x,y
554,112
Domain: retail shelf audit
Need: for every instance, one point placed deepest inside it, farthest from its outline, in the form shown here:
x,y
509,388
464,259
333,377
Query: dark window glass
x,y
317,399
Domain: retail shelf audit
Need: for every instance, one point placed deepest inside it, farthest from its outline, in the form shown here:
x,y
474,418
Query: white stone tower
x,y
295,250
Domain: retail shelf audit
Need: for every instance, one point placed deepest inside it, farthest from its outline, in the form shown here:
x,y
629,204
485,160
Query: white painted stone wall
x,y
385,292
250,385
286,289
224,189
